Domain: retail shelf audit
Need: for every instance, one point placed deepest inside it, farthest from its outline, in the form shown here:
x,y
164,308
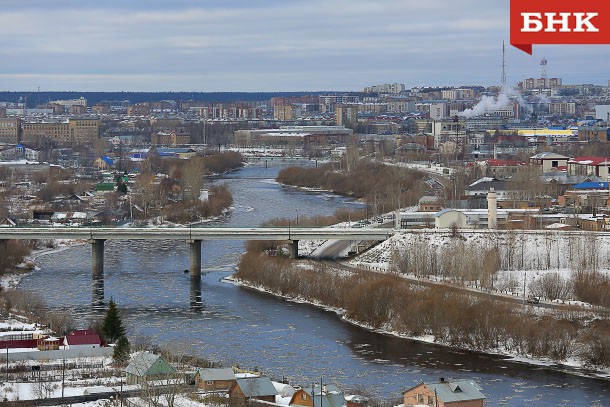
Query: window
x,y
209,382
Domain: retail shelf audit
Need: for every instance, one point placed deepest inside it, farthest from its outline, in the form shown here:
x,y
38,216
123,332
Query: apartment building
x,y
71,132
10,129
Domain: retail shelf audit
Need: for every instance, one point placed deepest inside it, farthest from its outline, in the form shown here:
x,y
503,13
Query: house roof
x,y
459,390
332,396
484,184
256,386
87,339
212,374
591,185
429,199
548,156
587,160
495,162
145,363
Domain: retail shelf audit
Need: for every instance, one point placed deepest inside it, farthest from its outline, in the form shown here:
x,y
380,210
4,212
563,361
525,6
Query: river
x,y
233,324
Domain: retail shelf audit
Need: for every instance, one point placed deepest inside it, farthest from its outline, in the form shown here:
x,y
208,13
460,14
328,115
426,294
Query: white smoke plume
x,y
491,103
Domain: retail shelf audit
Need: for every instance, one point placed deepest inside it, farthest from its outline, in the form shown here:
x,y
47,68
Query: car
x,y
533,300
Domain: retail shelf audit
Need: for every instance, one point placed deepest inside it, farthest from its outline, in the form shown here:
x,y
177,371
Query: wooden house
x,y
215,379
146,367
252,388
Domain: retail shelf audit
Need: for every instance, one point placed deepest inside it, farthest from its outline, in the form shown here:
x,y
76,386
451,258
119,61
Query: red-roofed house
x,y
591,166
82,339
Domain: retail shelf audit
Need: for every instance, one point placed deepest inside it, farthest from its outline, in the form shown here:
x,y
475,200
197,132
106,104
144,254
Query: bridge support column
x,y
4,246
195,250
97,273
293,249
97,257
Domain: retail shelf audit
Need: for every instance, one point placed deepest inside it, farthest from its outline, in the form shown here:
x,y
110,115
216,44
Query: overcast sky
x,y
269,45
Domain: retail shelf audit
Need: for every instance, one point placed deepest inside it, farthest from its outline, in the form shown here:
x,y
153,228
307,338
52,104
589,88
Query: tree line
x,y
383,187
390,303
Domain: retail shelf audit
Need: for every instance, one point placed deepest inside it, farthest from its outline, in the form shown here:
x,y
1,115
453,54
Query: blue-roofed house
x,y
103,163
459,393
182,153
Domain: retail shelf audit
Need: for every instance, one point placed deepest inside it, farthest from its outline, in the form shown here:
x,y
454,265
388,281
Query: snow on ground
x,y
531,256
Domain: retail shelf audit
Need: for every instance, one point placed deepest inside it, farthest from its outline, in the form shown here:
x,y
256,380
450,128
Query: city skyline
x,y
211,46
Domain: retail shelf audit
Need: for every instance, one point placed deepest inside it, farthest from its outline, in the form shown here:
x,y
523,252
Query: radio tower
x,y
503,65
543,68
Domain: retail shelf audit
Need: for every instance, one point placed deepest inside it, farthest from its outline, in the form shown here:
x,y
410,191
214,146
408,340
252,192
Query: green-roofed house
x,y
146,367
252,388
104,187
459,393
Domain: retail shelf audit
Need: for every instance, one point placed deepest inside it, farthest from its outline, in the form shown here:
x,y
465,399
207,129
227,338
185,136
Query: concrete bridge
x,y
194,236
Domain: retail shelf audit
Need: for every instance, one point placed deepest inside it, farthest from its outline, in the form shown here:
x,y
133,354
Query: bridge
x,y
194,236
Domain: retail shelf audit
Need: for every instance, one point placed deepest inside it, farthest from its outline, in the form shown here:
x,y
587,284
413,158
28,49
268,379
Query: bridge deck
x,y
195,233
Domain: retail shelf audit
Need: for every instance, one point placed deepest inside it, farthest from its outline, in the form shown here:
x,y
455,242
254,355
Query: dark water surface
x,y
228,323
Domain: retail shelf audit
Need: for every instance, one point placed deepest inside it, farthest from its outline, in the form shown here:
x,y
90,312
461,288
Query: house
x,y
214,379
103,162
430,203
82,339
481,187
49,343
252,388
145,367
549,162
460,393
590,166
326,396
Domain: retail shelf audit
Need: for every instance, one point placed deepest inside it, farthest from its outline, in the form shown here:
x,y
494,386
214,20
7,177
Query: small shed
x,y
146,367
214,379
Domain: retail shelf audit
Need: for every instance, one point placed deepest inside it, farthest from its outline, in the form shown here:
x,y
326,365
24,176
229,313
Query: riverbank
x,y
570,362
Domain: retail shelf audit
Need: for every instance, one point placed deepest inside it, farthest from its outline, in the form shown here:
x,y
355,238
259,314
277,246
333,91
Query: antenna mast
x,y
503,65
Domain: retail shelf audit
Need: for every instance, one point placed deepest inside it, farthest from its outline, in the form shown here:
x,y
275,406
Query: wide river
x,y
232,324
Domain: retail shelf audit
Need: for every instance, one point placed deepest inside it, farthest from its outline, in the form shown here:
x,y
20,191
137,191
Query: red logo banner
x,y
559,22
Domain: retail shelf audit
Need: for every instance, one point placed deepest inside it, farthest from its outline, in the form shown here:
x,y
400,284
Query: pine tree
x,y
121,351
112,327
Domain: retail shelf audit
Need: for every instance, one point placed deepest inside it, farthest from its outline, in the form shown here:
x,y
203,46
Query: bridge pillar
x,y
195,250
97,257
293,249
4,246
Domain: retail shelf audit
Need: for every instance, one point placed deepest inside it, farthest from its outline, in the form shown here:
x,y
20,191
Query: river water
x,y
233,324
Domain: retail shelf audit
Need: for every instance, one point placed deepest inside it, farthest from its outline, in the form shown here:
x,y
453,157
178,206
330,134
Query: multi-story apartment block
x,y
458,94
10,129
84,130
45,132
438,111
347,115
400,105
540,83
71,132
140,109
328,102
284,112
386,88
562,108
